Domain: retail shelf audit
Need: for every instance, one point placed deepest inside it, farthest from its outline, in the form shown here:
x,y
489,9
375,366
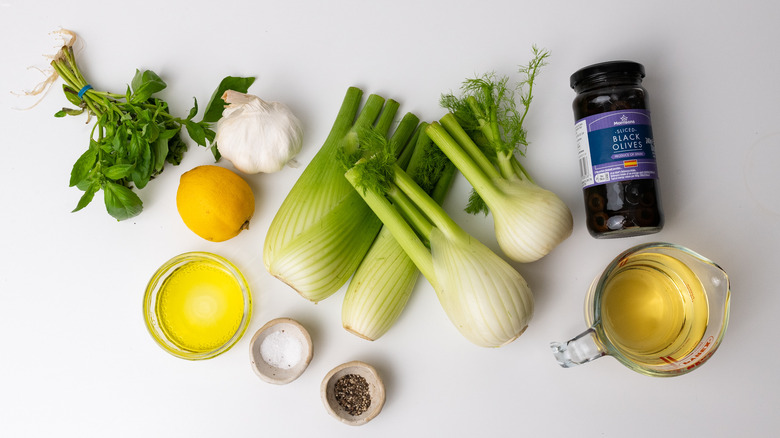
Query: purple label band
x,y
617,119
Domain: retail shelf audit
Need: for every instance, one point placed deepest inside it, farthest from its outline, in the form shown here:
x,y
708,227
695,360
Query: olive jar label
x,y
616,146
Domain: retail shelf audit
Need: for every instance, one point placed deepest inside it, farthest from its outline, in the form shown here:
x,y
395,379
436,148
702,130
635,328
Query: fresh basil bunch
x,y
135,134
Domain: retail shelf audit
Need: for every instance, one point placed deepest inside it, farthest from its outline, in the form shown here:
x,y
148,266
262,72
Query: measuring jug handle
x,y
582,349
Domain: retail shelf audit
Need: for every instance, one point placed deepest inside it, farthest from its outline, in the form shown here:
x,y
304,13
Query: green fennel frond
x,y
476,204
492,112
458,106
374,161
428,163
487,106
530,72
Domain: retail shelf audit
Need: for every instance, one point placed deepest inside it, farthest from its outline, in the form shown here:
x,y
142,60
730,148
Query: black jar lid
x,y
592,71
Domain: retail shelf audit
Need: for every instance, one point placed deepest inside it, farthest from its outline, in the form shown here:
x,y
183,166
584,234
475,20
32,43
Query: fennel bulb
x,y
378,292
483,296
323,228
257,136
481,135
529,221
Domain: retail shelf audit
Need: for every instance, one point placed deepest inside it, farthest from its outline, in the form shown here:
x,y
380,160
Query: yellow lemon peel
x,y
214,202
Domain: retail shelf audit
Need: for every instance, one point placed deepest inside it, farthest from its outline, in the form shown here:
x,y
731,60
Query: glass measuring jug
x,y
658,308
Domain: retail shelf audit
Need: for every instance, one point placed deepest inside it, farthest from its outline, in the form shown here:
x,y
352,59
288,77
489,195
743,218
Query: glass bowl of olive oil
x,y
197,305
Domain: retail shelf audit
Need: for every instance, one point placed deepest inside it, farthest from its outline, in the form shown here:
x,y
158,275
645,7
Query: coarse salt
x,y
281,350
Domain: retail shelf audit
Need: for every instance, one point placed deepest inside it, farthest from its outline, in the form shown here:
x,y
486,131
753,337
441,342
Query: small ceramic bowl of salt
x,y
280,351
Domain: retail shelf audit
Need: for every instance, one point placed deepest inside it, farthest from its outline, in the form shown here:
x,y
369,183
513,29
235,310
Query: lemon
x,y
214,202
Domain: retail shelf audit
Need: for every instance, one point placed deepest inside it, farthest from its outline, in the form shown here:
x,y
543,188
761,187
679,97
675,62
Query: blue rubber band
x,y
84,90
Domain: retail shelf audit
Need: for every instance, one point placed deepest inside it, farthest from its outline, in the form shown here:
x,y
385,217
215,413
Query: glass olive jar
x,y
616,150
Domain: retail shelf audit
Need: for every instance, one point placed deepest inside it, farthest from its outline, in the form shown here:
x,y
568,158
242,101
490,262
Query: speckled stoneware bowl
x,y
280,351
376,391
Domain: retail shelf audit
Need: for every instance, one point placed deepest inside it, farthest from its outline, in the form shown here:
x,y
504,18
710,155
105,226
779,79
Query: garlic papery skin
x,y
257,136
529,221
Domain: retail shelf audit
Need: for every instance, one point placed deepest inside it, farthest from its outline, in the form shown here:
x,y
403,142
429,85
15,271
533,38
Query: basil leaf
x,y
142,116
118,171
60,113
159,152
150,131
137,81
84,184
71,94
134,150
196,132
215,152
193,111
119,141
210,134
84,164
107,121
176,149
216,104
169,133
121,202
146,85
142,172
86,198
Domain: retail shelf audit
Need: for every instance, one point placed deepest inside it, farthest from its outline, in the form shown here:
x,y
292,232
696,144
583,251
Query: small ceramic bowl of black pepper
x,y
353,393
280,351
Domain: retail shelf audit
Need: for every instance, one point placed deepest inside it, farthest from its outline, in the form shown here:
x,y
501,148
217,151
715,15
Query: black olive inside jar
x,y
616,150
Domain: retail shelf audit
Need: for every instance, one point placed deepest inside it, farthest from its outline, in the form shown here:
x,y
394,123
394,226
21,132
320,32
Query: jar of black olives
x,y
616,150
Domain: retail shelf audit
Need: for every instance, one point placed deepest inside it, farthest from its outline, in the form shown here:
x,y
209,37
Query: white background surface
x,y
76,358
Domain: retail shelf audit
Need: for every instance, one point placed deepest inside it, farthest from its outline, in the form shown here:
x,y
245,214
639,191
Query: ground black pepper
x,y
352,394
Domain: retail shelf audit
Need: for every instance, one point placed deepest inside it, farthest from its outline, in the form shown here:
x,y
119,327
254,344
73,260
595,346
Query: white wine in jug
x,y
653,308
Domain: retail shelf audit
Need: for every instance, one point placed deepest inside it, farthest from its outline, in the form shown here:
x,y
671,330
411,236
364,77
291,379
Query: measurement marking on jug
x,y
704,346
690,292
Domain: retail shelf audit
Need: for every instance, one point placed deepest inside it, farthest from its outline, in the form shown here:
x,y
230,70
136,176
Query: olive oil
x,y
200,306
654,309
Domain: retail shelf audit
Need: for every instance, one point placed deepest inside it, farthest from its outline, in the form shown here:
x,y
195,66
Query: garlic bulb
x,y
257,136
